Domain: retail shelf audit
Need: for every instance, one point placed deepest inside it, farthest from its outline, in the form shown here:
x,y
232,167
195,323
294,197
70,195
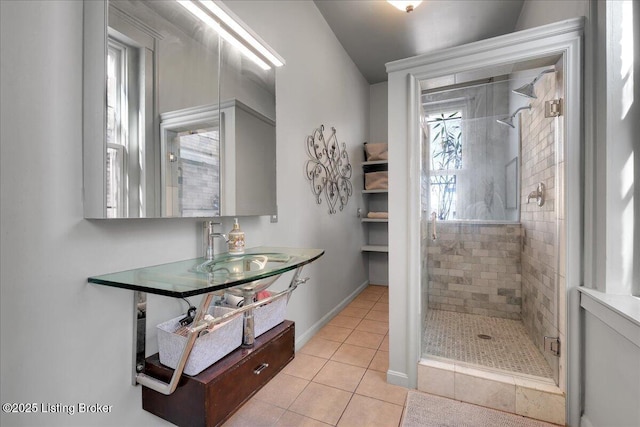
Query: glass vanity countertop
x,y
199,276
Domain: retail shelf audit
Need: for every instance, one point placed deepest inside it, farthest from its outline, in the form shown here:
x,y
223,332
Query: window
x,y
128,125
116,129
445,157
199,172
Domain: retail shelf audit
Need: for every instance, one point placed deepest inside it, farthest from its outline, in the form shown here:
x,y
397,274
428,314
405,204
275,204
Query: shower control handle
x,y
434,235
537,194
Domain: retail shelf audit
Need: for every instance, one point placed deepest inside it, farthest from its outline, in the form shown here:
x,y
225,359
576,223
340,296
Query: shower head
x,y
509,120
527,90
506,121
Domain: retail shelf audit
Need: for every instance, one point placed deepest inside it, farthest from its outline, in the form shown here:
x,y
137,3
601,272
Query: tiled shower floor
x,y
454,336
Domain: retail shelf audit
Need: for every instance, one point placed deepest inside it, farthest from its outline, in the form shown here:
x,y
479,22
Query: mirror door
x,y
146,64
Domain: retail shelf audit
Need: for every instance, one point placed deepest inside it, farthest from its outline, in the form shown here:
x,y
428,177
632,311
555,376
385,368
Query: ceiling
x,y
373,32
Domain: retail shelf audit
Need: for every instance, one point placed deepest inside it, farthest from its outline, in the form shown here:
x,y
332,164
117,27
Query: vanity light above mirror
x,y
228,27
179,103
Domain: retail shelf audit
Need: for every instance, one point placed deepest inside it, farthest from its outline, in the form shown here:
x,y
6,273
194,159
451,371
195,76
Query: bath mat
x,y
427,410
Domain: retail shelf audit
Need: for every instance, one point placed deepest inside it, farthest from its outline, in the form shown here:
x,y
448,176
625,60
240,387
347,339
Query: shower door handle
x,y
434,235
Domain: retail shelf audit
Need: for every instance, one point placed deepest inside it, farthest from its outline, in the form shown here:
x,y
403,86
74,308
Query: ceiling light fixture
x,y
406,6
201,14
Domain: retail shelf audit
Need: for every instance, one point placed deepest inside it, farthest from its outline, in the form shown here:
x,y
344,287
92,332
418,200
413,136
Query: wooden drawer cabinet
x,y
211,397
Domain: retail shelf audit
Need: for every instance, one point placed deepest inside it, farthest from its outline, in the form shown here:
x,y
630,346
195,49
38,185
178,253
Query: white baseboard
x,y
584,421
309,333
398,378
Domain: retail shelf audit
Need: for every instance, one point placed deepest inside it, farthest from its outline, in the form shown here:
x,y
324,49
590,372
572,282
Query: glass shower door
x,y
489,277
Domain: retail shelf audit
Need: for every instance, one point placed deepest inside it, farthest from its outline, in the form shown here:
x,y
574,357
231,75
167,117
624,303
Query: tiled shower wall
x,y
474,268
540,256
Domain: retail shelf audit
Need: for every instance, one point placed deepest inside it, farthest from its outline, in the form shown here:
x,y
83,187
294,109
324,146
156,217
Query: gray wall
x,y
378,233
66,341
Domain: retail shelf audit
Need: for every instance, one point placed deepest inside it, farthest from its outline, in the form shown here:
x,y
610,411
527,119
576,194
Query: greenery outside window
x,y
445,160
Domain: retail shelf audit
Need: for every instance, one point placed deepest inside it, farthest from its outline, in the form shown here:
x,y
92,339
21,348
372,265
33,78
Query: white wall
x,y
611,369
539,12
612,201
66,341
623,148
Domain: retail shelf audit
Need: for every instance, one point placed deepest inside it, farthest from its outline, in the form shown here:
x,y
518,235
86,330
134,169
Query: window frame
x,y
432,108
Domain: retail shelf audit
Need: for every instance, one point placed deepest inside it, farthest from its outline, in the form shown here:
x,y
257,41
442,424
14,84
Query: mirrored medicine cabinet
x,y
177,121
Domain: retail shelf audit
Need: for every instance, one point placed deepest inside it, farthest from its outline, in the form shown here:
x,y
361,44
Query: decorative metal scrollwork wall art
x,y
328,169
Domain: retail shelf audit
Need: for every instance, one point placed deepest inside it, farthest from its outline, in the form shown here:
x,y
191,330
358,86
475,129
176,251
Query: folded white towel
x,y
376,151
376,180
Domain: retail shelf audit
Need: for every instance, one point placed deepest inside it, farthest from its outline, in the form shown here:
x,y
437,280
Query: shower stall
x,y
491,206
485,203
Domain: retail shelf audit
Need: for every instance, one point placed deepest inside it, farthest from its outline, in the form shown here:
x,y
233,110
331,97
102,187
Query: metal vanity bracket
x,y
199,324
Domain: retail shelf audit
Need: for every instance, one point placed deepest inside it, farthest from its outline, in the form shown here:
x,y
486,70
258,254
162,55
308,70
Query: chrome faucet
x,y
209,237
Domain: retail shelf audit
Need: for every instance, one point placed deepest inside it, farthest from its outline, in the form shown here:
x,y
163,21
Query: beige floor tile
x,y
354,312
362,303
380,361
377,289
320,347
321,402
354,355
365,411
384,346
255,413
373,326
291,419
340,375
381,306
367,296
334,333
378,316
345,321
281,390
365,339
384,299
304,366
374,384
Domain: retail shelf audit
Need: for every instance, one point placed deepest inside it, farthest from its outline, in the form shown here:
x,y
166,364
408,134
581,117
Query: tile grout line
x,y
366,369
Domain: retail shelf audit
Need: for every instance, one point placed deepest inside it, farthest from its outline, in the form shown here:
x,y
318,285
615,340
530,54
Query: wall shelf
x,y
384,220
375,162
376,229
375,248
375,202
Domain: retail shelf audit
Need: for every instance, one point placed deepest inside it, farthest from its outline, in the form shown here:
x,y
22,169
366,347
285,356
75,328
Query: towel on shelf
x,y
378,215
376,180
376,151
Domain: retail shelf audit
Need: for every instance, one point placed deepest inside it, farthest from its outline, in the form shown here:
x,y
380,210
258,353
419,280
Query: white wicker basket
x,y
269,315
207,349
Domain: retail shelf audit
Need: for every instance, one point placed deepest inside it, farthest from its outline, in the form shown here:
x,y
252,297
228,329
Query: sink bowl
x,y
232,267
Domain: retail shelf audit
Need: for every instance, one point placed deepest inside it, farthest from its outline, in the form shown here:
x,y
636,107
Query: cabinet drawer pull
x,y
260,368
